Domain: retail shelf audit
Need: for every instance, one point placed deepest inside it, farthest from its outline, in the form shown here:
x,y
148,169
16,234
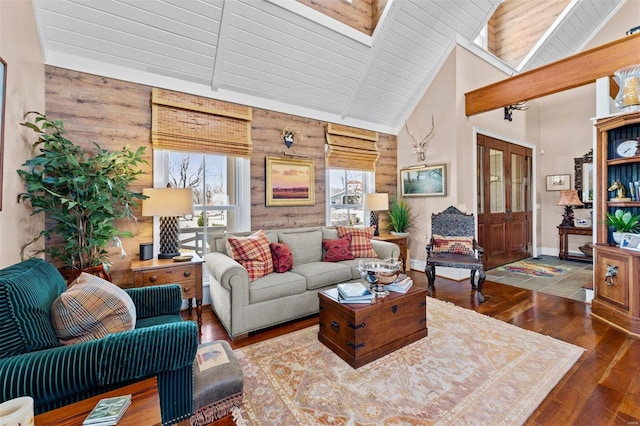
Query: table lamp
x,y
375,203
568,198
169,204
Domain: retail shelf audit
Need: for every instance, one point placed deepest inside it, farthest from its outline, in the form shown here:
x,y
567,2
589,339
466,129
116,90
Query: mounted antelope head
x,y
420,147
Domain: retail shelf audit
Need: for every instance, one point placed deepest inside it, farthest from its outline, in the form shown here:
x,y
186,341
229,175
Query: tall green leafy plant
x,y
399,216
82,192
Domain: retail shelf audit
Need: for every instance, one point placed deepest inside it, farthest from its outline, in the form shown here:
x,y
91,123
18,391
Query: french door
x,y
504,201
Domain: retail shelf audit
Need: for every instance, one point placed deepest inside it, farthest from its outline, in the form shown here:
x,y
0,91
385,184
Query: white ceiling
x,y
284,56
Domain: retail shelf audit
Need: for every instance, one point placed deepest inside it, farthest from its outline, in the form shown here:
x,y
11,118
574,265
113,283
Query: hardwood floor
x,y
602,388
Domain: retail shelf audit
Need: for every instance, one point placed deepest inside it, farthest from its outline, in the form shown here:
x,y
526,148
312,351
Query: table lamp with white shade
x,y
169,204
375,203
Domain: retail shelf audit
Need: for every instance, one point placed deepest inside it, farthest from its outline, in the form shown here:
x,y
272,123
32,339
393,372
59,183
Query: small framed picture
x,y
630,241
558,182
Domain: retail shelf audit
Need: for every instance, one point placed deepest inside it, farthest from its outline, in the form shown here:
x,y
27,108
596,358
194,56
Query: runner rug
x,y
534,268
470,369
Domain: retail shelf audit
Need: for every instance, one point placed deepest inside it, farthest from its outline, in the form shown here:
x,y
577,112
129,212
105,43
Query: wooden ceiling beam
x,y
577,70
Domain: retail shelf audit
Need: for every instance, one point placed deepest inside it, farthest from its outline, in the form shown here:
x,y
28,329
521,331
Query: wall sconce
x,y
508,110
288,136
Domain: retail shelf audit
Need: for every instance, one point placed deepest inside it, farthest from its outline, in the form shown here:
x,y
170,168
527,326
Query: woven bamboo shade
x,y
183,122
351,148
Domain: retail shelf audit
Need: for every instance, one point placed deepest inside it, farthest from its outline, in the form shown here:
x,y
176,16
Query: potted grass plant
x,y
83,194
399,217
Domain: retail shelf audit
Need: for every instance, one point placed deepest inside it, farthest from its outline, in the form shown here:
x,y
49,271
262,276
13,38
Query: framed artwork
x,y
630,241
424,181
558,182
290,182
3,91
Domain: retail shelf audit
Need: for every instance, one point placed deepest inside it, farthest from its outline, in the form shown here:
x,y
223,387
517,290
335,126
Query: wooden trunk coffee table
x,y
361,333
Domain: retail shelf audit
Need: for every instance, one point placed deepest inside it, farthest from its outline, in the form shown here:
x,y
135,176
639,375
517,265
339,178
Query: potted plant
x,y
399,218
622,221
83,193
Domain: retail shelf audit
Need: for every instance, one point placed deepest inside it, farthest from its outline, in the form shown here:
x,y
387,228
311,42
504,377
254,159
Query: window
x,y
344,196
482,39
220,187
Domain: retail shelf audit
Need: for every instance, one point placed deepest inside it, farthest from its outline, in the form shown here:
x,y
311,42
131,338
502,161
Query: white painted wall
x,y
20,49
558,125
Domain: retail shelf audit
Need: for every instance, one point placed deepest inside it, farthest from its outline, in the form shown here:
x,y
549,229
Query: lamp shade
x,y
569,197
167,202
376,202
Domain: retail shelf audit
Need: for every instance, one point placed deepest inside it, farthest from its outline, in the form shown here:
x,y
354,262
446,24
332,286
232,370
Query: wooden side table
x,y
144,408
166,271
402,242
563,235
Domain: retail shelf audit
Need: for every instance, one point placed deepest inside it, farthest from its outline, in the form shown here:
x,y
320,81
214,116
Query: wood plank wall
x,y
363,15
519,24
114,113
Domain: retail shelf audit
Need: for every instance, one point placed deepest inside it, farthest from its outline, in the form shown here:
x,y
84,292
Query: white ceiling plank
x,y
180,48
66,41
261,57
293,73
221,46
283,55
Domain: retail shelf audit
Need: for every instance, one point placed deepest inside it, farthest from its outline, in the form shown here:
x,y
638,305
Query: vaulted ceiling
x,y
284,56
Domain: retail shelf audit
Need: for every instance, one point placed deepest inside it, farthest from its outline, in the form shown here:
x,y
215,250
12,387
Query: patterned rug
x,y
470,369
534,268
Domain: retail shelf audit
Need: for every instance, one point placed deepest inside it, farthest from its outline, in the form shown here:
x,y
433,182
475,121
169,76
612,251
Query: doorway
x,y
505,226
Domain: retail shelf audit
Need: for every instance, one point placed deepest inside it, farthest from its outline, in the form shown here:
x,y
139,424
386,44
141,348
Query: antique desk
x,y
563,234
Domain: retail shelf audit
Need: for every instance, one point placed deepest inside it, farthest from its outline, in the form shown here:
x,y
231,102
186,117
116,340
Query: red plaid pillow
x,y
337,250
456,245
282,257
360,240
253,253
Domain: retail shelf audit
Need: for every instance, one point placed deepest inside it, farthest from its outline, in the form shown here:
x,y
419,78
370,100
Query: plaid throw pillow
x,y
90,309
337,250
253,253
456,245
360,240
282,257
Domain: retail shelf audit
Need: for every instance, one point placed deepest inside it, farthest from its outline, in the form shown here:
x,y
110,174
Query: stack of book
x,y
402,284
353,292
108,411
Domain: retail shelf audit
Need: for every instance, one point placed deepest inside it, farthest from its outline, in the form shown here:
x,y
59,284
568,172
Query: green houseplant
x,y
622,221
399,217
82,193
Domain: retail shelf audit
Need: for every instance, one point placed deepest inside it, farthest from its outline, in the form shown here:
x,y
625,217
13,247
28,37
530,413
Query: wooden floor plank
x,y
603,387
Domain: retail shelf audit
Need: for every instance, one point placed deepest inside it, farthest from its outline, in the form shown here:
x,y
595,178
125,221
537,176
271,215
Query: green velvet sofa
x,y
33,362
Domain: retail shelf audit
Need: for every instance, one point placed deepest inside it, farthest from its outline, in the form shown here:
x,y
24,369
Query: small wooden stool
x,y
217,383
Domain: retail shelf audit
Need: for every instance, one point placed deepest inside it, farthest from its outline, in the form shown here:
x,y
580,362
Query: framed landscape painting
x,y
424,181
290,182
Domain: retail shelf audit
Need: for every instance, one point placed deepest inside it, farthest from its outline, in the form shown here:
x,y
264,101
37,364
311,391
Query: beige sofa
x,y
243,306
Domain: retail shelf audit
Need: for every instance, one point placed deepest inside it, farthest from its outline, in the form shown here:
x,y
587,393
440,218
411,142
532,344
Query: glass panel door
x,y
496,181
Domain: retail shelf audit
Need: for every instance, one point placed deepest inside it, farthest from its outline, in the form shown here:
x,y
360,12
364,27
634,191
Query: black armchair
x,y
453,244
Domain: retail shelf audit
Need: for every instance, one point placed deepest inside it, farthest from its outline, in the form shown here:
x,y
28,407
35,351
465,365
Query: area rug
x,y
470,369
534,268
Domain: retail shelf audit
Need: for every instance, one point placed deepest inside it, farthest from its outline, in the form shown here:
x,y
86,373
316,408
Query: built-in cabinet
x,y
617,270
